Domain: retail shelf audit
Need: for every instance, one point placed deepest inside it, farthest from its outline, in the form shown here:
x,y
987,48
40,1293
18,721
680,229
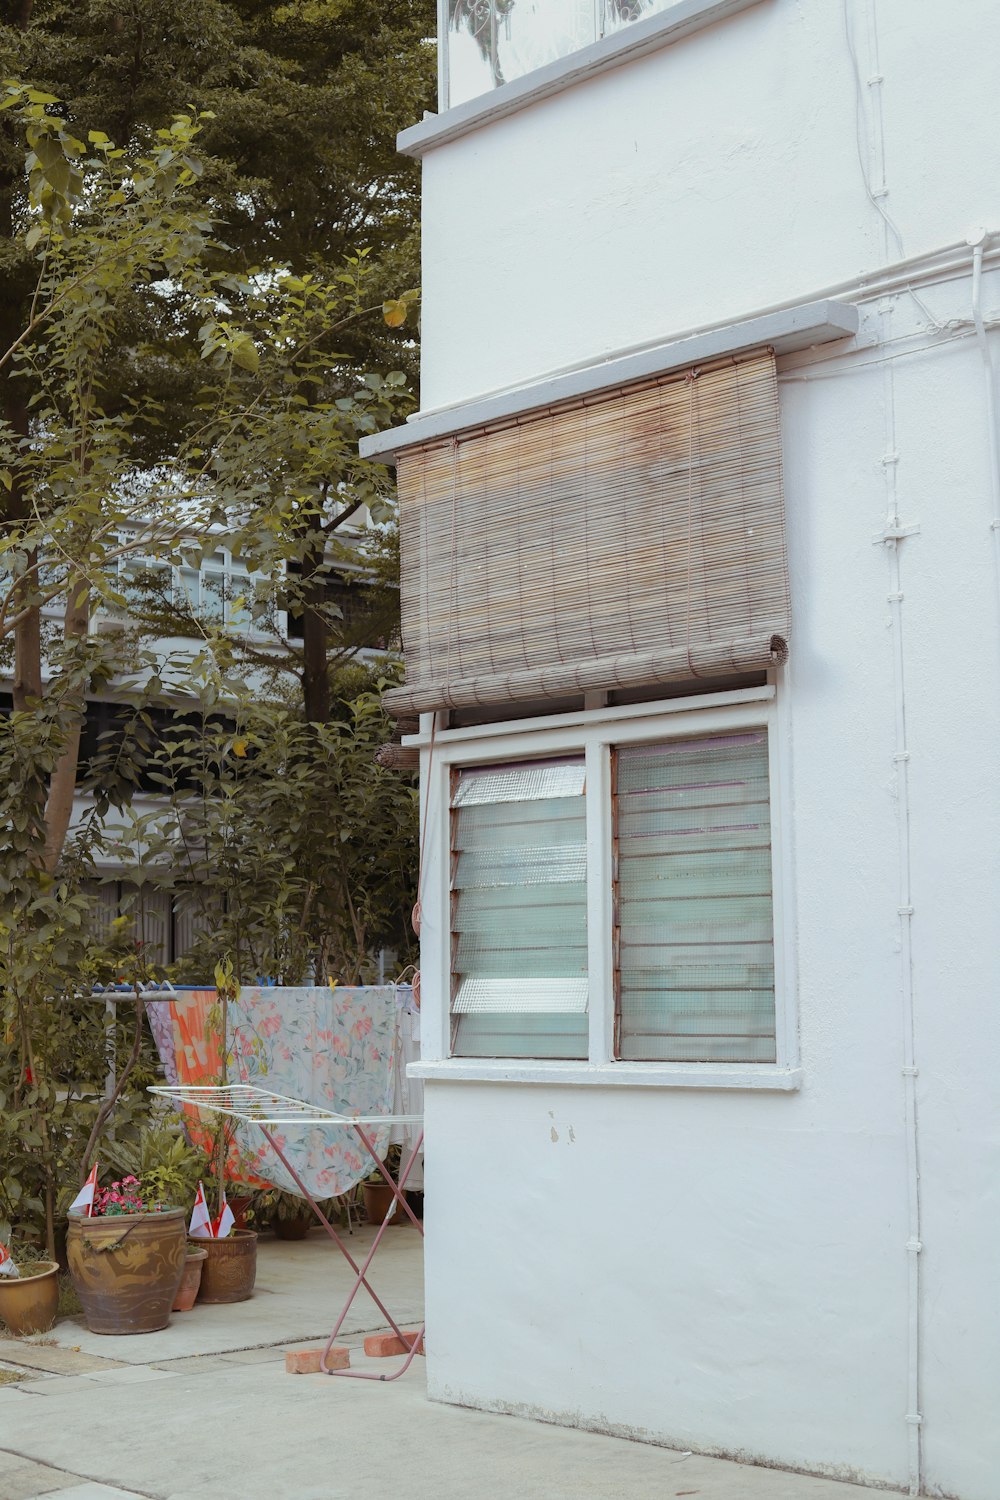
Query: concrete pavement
x,y
205,1411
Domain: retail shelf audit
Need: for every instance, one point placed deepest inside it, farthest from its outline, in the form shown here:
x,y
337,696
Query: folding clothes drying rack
x,y
252,1105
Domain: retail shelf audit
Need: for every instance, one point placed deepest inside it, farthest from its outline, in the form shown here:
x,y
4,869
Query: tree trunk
x,y
62,787
27,651
315,640
27,632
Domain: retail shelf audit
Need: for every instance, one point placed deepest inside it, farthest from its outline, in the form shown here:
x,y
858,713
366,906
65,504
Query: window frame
x,y
594,732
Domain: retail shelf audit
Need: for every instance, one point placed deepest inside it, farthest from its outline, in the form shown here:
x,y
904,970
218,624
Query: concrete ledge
x,y
769,1076
633,41
786,331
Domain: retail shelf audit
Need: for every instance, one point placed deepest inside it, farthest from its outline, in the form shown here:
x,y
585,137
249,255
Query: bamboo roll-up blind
x,y
629,538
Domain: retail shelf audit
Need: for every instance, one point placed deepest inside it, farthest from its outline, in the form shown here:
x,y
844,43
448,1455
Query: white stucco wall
x,y
720,1270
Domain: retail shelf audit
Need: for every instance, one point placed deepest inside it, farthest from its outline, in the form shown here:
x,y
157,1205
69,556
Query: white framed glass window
x,y
216,588
660,939
519,910
693,908
492,42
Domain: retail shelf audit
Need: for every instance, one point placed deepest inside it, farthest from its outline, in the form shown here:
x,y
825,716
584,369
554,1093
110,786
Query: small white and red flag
x,y
7,1266
224,1221
84,1199
200,1227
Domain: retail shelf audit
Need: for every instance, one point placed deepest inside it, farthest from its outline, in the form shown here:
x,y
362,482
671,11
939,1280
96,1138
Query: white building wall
x,y
719,1270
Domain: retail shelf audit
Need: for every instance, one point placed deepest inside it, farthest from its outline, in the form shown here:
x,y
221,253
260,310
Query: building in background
x,y
180,604
700,528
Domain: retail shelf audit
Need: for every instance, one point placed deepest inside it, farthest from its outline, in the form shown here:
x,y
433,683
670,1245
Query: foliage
x,y
296,851
168,1166
306,100
121,274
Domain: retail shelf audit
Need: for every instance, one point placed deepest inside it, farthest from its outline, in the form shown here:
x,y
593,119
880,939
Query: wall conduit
x,y
977,241
891,537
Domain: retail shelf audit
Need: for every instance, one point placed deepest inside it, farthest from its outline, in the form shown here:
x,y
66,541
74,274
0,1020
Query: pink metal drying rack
x,y
252,1105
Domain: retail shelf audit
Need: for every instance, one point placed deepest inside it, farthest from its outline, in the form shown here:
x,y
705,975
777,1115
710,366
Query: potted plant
x,y
287,1214
126,1259
377,1193
29,1301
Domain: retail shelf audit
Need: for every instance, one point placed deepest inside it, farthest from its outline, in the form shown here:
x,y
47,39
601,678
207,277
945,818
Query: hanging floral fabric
x,y
329,1046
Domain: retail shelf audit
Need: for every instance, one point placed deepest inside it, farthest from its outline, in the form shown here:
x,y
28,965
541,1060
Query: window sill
x,y
651,1075
681,19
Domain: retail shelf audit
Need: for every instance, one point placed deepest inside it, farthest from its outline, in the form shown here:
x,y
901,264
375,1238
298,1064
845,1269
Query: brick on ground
x,y
382,1345
307,1361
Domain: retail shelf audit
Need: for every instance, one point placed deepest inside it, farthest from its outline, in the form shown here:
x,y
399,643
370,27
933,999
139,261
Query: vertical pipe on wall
x,y
977,241
876,183
444,88
891,538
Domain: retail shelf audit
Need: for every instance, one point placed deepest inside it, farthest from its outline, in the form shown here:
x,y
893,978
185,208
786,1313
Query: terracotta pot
x,y
28,1304
126,1268
239,1207
230,1267
190,1280
294,1229
378,1196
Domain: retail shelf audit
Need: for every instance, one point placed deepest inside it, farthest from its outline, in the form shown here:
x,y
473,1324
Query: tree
x,y
293,849
256,454
106,228
299,103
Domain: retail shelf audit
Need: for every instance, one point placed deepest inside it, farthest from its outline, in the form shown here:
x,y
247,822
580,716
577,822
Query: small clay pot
x,y
230,1268
296,1228
28,1304
378,1196
187,1292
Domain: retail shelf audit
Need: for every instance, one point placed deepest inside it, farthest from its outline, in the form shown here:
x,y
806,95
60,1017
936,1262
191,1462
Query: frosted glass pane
x,y
521,996
519,911
522,783
693,903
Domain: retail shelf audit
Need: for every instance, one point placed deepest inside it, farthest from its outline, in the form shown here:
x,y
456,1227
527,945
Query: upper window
x,y
492,42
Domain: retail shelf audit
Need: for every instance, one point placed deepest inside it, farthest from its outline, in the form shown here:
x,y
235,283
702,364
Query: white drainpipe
x,y
891,536
977,240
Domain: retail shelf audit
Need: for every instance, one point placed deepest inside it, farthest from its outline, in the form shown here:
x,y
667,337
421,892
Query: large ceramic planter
x,y
187,1292
230,1268
28,1304
126,1268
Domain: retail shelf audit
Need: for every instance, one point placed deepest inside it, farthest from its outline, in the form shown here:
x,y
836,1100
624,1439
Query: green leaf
x,y
245,354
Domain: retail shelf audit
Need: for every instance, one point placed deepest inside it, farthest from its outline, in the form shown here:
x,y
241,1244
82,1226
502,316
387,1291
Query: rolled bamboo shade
x,y
630,538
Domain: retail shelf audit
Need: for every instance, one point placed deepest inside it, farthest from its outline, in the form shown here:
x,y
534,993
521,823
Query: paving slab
x,y
301,1287
322,1438
10,1394
89,1491
51,1385
137,1425
25,1481
128,1375
60,1358
201,1364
